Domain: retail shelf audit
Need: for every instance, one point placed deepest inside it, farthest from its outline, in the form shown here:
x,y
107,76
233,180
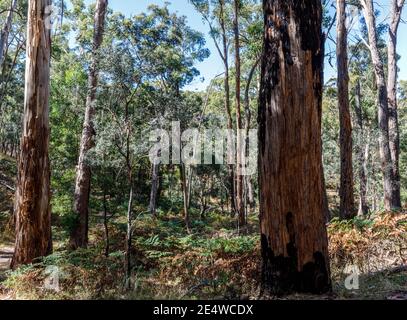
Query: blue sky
x,y
213,65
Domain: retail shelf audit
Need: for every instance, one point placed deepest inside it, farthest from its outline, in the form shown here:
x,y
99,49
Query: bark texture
x,y
394,135
390,202
347,201
32,206
79,234
292,218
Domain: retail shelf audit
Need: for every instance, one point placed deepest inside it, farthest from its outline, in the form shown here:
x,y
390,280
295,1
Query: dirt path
x,y
6,253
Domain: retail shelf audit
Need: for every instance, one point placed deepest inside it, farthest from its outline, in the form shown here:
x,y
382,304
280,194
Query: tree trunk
x,y
292,219
6,30
394,135
347,201
32,206
155,182
239,152
225,58
79,234
249,185
390,202
127,261
184,188
363,154
105,223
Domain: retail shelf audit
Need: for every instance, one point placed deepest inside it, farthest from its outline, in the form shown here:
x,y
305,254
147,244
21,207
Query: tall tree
x,y
32,204
394,136
6,30
292,219
363,147
390,200
240,207
79,234
347,201
223,50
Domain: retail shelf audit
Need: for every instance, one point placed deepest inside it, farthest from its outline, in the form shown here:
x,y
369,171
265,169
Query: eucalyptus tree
x,y
32,200
394,135
389,182
79,234
294,240
6,30
216,13
346,209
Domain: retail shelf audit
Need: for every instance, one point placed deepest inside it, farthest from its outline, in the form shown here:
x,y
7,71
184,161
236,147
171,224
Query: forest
x,y
133,168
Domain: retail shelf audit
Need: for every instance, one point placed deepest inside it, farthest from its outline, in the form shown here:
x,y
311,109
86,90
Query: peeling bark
x,y
292,219
32,205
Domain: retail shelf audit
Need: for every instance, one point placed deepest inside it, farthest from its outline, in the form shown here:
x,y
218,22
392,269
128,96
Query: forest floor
x,y
214,262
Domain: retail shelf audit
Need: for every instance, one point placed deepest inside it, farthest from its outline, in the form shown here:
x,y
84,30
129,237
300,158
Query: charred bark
x,y
294,241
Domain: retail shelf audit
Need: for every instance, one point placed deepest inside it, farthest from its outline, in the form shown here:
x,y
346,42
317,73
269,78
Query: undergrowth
x,y
215,261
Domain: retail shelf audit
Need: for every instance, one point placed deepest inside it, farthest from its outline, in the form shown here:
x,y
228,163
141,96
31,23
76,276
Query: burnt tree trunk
x,y
390,202
363,154
394,135
292,218
32,204
79,234
6,30
347,201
